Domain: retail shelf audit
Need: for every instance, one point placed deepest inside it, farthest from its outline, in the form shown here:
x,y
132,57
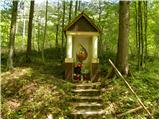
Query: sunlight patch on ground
x,y
16,73
13,103
111,108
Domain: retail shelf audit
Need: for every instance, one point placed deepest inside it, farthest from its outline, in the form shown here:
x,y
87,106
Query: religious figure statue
x,y
81,53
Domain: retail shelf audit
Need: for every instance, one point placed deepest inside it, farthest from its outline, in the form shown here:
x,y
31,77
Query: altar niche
x,y
81,62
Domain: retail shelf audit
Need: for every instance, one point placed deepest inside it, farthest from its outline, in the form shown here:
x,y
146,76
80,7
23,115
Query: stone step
x,y
86,101
86,87
86,116
87,84
87,104
88,112
87,98
86,92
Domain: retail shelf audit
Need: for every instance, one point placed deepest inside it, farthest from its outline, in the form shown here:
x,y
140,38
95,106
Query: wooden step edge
x,y
87,97
86,104
88,112
87,84
85,90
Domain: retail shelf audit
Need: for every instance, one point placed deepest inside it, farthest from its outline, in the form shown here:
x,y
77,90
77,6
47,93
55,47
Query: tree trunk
x,y
100,36
38,37
57,28
139,34
12,34
145,28
136,29
45,31
33,37
142,41
76,5
63,18
17,24
70,11
79,6
24,28
122,53
28,59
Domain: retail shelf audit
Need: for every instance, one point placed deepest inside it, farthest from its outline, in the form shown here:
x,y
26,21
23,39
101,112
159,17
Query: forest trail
x,y
86,100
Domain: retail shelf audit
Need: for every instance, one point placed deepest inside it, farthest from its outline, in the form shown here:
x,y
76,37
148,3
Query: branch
x,y
130,88
130,111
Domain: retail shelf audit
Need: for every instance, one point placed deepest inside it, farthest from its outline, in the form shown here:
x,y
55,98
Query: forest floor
x,y
36,90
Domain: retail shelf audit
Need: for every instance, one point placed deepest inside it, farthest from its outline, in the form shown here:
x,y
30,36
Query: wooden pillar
x,y
95,60
94,46
69,59
69,46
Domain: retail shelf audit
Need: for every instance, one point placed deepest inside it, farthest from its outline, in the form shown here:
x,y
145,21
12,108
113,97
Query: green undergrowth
x,y
119,99
34,90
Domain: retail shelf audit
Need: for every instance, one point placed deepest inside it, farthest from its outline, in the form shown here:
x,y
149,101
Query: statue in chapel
x,y
81,53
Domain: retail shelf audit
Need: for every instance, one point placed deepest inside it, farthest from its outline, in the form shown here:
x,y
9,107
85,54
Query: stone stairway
x,y
86,101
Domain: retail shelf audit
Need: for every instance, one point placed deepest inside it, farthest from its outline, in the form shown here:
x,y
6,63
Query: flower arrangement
x,y
77,71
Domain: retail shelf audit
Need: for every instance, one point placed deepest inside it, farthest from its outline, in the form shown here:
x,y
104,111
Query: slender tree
x,y
38,35
142,33
139,33
45,31
100,36
141,38
70,10
122,53
57,26
23,19
12,34
28,53
79,5
76,6
145,28
63,18
24,27
136,26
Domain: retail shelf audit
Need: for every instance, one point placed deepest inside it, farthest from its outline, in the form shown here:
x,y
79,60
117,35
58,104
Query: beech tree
x,y
63,20
122,51
79,6
28,59
76,7
70,10
12,34
57,26
141,32
45,32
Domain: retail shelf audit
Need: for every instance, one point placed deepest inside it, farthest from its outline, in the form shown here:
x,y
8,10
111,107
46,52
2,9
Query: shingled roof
x,y
82,18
